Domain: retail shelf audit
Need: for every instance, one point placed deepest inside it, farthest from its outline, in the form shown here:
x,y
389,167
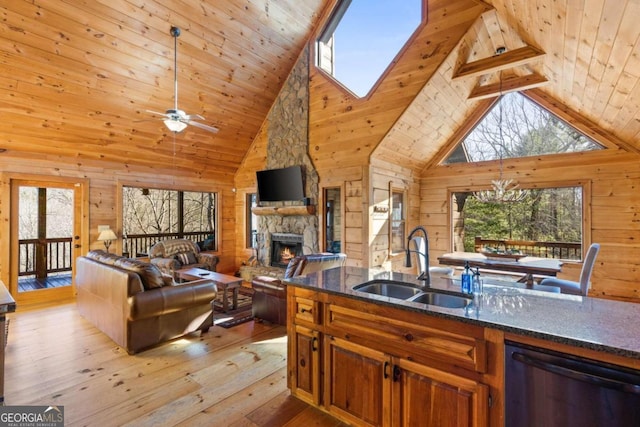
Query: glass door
x,y
45,240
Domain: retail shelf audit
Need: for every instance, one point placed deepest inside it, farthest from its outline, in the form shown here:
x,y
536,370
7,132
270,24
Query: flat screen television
x,y
284,184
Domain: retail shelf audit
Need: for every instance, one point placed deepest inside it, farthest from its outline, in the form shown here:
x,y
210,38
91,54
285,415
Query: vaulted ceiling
x,y
586,64
77,77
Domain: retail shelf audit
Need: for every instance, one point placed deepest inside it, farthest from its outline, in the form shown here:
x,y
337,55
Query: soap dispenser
x,y
466,279
476,284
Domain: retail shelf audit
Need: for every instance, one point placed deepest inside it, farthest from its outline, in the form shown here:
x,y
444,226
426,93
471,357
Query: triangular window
x,y
517,127
362,38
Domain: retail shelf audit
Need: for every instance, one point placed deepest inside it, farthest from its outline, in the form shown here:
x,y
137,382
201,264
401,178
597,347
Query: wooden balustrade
x,y
136,245
39,258
557,250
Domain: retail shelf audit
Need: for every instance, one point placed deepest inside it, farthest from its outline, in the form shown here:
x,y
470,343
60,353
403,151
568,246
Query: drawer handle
x,y
306,310
385,369
408,337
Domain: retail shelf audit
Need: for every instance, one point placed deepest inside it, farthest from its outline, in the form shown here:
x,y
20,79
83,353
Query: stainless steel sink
x,y
410,292
389,288
441,300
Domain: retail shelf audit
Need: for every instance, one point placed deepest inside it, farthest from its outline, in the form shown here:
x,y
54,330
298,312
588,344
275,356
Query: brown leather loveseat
x,y
270,293
136,305
174,254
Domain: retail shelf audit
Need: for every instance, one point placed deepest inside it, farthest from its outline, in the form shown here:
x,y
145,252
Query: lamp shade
x,y
107,235
175,125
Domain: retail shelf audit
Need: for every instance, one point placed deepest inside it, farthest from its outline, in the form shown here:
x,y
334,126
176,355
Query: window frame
x,y
251,200
403,220
586,204
325,35
180,189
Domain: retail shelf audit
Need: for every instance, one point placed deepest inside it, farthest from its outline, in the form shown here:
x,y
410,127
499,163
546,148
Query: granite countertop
x,y
593,323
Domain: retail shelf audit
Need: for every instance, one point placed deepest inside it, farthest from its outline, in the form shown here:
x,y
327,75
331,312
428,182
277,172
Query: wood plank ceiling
x,y
591,61
77,77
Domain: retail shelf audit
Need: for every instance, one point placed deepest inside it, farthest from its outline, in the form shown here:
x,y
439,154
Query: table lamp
x,y
107,236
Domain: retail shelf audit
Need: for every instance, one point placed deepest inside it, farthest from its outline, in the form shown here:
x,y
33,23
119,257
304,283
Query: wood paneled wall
x,y
612,208
104,179
345,130
245,183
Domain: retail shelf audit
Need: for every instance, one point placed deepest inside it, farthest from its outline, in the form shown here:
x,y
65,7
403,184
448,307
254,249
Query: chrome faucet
x,y
424,275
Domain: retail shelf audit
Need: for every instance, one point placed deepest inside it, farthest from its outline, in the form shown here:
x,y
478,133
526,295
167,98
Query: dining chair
x,y
419,247
581,287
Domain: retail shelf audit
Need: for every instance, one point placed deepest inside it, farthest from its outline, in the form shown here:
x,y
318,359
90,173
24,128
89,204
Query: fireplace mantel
x,y
284,210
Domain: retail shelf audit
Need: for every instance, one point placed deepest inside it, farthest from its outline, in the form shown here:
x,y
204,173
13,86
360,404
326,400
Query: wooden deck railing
x,y
40,259
56,256
135,245
558,250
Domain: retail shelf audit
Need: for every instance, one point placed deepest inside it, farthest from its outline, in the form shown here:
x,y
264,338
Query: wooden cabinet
x,y
371,365
423,396
356,386
304,346
305,381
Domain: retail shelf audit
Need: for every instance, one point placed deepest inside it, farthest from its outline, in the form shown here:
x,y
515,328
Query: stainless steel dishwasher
x,y
544,388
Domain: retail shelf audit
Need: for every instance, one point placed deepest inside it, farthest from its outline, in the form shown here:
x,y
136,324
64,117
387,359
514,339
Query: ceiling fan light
x,y
175,125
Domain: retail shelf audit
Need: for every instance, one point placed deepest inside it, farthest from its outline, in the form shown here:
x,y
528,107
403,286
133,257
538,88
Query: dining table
x,y
528,266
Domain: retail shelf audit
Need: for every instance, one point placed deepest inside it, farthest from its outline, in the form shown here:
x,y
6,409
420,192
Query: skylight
x,y
518,127
363,37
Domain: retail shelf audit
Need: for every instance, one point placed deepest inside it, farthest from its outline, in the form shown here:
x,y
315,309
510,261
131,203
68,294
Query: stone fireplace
x,y
284,247
288,145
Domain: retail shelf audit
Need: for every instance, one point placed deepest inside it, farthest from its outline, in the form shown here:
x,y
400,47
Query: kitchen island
x,y
407,356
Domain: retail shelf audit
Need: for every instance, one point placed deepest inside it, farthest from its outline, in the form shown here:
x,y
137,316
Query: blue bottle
x,y
466,279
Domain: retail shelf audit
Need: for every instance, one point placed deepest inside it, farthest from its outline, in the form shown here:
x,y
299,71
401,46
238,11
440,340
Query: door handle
x,y
396,373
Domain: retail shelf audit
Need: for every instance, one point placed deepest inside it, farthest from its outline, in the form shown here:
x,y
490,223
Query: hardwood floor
x,y
226,377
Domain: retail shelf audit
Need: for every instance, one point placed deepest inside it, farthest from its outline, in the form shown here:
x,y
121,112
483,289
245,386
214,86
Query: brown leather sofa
x,y
136,305
174,254
270,293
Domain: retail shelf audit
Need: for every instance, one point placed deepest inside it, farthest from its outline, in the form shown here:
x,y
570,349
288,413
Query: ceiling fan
x,y
177,120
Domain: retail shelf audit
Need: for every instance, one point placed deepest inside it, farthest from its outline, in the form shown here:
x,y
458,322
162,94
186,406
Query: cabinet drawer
x,y
307,310
417,337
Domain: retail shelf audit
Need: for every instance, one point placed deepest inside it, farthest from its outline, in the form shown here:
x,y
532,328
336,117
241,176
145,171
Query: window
x,y
547,223
333,219
251,221
397,221
150,215
363,37
517,127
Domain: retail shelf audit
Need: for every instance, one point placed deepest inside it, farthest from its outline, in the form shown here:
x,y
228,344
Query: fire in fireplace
x,y
284,247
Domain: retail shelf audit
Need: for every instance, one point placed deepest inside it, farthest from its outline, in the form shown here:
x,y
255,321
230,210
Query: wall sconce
x,y
107,236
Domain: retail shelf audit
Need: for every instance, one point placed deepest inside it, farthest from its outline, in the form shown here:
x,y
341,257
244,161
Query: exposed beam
x,y
508,84
509,59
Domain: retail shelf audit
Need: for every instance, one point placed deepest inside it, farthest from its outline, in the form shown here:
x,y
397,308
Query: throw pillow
x,y
150,275
186,258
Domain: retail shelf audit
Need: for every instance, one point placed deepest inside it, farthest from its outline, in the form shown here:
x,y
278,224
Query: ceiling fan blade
x,y
203,126
194,116
156,113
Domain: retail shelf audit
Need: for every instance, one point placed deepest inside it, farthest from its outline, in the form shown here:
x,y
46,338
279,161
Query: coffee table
x,y
224,283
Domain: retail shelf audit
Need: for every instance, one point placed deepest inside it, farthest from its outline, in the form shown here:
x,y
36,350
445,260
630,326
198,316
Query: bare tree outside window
x,y
527,130
516,127
151,214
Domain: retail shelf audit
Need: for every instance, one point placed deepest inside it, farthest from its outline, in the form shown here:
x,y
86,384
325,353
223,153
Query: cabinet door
x,y
305,381
425,397
357,383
